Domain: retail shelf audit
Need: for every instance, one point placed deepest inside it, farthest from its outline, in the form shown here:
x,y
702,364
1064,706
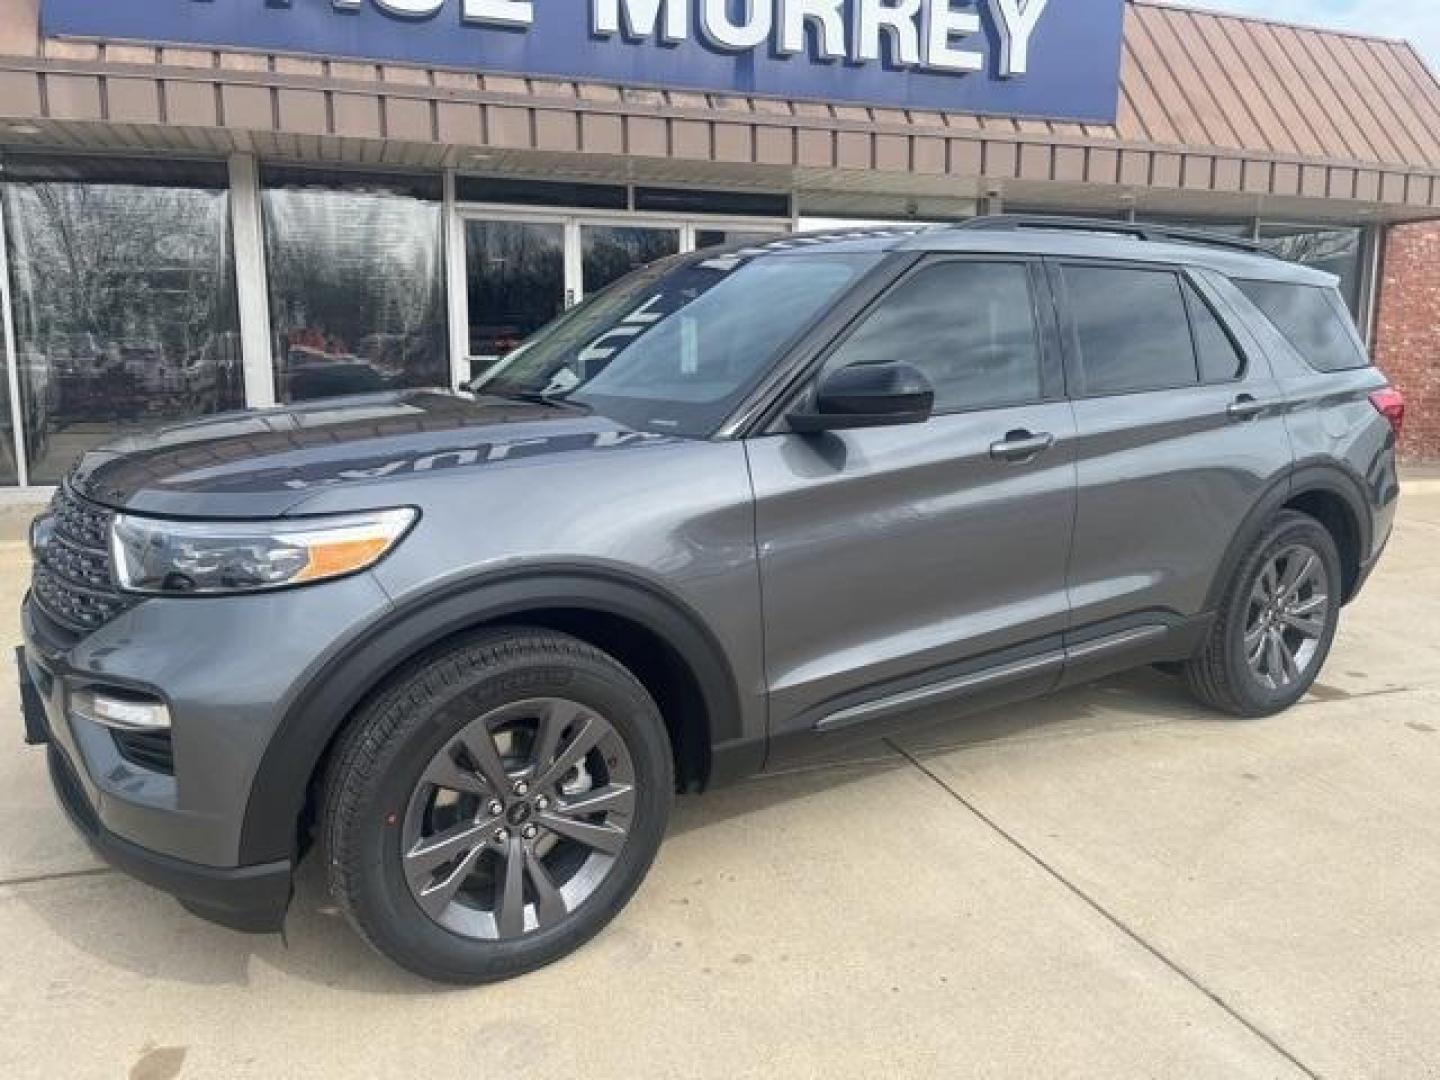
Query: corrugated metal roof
x,y
1203,79
1196,79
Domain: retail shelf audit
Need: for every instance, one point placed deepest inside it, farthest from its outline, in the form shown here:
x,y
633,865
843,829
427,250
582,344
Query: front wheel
x,y
1276,623
497,805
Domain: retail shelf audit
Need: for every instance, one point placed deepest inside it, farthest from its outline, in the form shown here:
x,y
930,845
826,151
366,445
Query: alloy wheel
x,y
1288,614
518,819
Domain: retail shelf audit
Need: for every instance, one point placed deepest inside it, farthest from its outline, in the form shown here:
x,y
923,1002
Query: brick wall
x,y
1407,341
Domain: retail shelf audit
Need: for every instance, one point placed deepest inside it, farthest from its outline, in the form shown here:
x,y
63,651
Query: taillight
x,y
1390,403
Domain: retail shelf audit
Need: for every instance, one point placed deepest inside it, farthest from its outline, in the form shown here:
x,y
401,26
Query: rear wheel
x,y
497,806
1277,622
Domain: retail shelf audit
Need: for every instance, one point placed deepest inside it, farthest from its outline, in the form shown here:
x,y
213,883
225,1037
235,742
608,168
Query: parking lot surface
x,y
1109,883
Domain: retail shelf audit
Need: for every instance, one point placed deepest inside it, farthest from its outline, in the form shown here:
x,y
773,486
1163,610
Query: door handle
x,y
1245,408
1019,447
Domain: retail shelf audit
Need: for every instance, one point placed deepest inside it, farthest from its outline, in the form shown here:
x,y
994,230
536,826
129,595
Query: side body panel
x,y
1335,431
899,551
1166,480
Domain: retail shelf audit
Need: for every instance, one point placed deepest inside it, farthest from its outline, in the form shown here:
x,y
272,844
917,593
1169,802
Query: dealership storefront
x,y
214,204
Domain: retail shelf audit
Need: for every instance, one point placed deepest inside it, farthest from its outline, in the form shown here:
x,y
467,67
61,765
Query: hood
x,y
265,463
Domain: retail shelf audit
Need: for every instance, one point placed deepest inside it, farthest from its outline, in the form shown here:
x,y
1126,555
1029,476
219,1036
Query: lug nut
x,y
496,808
531,832
502,836
521,788
542,803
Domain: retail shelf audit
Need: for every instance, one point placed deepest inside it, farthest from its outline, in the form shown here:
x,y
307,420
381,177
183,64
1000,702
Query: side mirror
x,y
867,395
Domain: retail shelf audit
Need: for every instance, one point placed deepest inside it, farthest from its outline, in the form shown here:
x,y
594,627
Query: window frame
x,y
1052,378
1076,383
1197,289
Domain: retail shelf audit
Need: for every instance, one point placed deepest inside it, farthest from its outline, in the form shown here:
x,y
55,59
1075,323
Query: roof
x,y
1069,242
1198,78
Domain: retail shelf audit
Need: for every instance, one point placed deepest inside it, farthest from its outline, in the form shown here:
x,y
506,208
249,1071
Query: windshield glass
x,y
675,346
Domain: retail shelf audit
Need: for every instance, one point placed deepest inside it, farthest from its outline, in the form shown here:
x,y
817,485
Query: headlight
x,y
195,557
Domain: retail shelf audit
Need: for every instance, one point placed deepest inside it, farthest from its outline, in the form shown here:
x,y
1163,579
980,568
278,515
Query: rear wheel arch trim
x,y
314,717
1303,480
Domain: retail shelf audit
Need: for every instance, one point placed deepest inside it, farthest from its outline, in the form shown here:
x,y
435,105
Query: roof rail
x,y
1136,229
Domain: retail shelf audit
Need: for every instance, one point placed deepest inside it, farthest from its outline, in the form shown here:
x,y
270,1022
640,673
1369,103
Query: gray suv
x,y
745,504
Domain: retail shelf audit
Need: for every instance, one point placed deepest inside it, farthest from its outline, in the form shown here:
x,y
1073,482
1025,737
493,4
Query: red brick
x,y
1407,339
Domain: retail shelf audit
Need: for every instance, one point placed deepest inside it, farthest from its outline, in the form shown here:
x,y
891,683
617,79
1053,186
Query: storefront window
x,y
357,293
609,252
1336,250
8,472
124,301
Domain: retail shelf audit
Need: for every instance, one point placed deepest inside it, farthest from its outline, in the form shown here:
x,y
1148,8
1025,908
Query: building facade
x,y
215,204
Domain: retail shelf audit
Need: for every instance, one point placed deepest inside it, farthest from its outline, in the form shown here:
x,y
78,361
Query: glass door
x,y
514,283
609,252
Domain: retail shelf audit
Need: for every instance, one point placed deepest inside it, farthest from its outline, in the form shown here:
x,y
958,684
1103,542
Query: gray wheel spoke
x,y
433,852
1316,603
446,773
589,731
481,745
606,837
1311,627
553,721
619,798
1255,650
1267,582
1274,664
549,904
1297,570
510,892
435,897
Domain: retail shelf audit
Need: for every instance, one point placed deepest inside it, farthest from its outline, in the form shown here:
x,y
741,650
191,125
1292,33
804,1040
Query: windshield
x,y
675,346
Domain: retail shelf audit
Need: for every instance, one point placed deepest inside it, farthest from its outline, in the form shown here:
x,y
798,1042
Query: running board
x,y
977,682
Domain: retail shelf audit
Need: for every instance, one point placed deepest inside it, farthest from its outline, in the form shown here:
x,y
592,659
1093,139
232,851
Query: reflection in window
x,y
357,295
1337,251
515,274
8,473
608,253
125,310
968,326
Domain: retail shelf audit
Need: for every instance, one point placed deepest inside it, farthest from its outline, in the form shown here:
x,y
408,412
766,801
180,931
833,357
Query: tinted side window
x,y
969,326
1312,320
1220,360
1131,327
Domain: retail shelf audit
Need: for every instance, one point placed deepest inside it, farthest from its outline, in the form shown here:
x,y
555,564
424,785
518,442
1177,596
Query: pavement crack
x,y
59,875
1114,920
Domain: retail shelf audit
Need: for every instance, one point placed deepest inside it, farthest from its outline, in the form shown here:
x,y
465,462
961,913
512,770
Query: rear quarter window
x,y
1313,319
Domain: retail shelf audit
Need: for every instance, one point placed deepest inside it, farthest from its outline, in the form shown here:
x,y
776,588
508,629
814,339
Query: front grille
x,y
72,581
149,749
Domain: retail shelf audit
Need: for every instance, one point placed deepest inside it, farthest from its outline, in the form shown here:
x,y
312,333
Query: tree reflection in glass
x,y
125,311
357,296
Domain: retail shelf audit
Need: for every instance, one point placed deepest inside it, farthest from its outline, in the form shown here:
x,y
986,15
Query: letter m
x,y
642,18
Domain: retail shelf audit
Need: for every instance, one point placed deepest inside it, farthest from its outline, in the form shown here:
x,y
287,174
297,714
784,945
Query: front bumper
x,y
228,671
252,898
249,898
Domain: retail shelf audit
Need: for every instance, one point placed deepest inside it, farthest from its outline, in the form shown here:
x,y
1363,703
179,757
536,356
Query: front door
x,y
898,559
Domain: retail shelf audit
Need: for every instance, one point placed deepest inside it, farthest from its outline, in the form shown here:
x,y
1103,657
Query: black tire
x,y
1220,675
377,768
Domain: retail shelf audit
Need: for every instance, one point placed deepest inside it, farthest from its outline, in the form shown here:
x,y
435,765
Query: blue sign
x,y
1054,59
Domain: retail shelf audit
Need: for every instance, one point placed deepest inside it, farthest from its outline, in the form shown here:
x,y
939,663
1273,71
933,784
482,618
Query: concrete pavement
x,y
1110,883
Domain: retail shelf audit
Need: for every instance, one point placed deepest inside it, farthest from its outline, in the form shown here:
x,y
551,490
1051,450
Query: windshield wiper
x,y
532,397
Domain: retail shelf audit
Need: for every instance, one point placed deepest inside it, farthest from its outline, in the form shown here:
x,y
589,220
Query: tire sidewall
x,y
389,913
1257,700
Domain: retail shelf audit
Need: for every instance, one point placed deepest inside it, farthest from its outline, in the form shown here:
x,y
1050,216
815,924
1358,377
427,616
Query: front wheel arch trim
x,y
316,715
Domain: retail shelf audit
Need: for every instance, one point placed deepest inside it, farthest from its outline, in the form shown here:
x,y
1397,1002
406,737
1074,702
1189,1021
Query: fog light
x,y
124,714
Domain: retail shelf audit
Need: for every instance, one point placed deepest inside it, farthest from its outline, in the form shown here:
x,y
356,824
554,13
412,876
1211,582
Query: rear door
x,y
898,557
1179,430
